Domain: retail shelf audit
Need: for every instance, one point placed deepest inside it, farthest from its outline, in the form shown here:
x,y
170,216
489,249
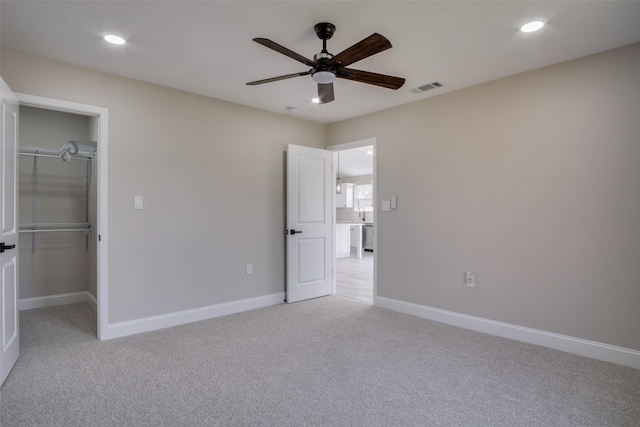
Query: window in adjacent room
x,y
364,197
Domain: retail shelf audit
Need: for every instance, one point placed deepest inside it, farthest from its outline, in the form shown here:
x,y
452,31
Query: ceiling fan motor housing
x,y
322,57
323,73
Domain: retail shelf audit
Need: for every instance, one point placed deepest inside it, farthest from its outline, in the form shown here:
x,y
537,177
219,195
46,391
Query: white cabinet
x,y
349,237
343,246
345,200
356,235
356,231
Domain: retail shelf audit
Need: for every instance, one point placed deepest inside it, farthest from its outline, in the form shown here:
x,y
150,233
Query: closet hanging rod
x,y
56,156
55,230
55,224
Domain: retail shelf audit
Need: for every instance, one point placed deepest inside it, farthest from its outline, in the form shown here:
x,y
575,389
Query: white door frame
x,y
101,228
347,146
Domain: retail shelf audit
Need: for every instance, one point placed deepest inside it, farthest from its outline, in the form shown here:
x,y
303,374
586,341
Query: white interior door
x,y
309,223
9,333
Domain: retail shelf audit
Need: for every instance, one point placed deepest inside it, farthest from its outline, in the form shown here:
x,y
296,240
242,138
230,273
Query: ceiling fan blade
x,y
382,80
275,79
325,93
283,50
373,44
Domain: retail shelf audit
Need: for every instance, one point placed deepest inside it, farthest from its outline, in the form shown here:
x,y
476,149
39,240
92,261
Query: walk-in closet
x,y
57,207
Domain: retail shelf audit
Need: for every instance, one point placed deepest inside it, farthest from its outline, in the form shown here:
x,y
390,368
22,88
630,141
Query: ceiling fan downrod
x,y
323,73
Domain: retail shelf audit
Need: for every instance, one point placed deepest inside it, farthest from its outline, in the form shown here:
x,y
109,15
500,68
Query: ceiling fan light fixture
x,y
323,77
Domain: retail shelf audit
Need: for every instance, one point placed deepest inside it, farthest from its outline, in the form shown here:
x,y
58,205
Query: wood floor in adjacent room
x,y
354,277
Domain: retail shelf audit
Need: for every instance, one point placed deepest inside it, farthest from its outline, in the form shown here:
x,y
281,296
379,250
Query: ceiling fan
x,y
325,67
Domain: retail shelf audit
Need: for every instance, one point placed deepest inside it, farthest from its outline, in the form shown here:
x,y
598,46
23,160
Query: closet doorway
x,y
61,197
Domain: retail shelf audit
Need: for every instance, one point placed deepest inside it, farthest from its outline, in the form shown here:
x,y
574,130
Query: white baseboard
x,y
592,349
59,299
147,324
93,302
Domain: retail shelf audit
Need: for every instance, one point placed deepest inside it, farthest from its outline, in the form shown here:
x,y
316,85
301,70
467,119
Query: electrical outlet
x,y
469,279
249,269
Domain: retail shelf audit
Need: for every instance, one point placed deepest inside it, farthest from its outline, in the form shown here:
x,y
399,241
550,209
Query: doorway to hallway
x,y
355,220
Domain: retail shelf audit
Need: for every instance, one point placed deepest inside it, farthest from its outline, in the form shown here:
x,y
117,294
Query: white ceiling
x,y
356,161
206,47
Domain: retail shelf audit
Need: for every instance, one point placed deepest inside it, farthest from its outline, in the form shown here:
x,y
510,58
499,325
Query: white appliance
x,y
368,237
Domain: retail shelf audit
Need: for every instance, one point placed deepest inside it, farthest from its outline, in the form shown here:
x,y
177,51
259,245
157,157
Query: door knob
x,y
293,231
4,247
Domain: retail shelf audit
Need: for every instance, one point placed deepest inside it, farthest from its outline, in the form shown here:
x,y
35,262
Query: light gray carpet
x,y
326,362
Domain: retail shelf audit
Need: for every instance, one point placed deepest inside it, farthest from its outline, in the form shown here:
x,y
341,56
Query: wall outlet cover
x,y
469,279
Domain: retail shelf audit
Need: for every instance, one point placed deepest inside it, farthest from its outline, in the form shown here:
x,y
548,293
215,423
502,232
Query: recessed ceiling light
x,y
370,152
532,26
315,100
112,38
292,110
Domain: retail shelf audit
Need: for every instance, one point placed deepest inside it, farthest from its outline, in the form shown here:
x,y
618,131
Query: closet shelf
x,y
55,154
54,227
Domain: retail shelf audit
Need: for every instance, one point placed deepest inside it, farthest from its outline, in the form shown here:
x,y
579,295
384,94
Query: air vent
x,y
427,87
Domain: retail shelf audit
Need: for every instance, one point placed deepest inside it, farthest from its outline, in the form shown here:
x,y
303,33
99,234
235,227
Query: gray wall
x,y
530,182
61,263
212,176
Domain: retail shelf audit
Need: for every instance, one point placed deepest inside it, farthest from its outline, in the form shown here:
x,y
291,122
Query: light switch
x,y
394,202
386,206
138,203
